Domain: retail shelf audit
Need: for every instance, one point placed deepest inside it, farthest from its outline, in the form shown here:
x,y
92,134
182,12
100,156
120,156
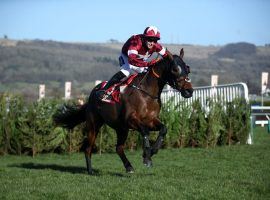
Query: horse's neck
x,y
158,74
152,84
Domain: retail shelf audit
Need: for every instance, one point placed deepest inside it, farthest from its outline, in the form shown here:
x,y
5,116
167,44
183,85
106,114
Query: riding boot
x,y
115,79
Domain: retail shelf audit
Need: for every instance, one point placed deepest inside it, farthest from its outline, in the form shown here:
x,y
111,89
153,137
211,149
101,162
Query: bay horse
x,y
138,109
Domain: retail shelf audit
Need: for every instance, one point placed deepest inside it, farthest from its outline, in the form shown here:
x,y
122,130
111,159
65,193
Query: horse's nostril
x,y
187,93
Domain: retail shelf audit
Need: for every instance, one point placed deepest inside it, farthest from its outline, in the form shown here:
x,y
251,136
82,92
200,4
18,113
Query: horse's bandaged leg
x,y
159,141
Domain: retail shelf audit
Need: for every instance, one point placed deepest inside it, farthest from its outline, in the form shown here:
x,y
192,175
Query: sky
x,y
198,22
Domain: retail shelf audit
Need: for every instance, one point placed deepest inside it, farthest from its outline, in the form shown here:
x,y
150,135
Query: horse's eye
x,y
177,69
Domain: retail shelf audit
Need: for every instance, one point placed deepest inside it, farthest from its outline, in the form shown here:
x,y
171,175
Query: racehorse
x,y
138,109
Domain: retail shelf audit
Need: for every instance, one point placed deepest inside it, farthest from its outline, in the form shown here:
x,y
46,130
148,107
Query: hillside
x,y
26,64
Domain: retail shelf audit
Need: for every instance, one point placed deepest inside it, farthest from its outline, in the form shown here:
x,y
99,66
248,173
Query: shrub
x,y
12,108
28,128
237,122
215,123
106,139
176,119
39,133
197,125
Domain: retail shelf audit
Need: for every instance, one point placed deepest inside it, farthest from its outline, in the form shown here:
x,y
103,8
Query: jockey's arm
x,y
161,50
134,59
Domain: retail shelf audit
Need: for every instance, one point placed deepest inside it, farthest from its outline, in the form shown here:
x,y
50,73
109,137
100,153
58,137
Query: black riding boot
x,y
115,79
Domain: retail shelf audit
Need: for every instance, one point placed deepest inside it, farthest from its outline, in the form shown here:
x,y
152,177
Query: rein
x,y
155,74
136,87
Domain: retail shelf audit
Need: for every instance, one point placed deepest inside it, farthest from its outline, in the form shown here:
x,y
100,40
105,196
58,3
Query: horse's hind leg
x,y
92,128
121,138
88,151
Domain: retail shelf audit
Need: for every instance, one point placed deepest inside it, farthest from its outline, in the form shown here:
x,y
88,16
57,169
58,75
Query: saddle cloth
x,y
113,93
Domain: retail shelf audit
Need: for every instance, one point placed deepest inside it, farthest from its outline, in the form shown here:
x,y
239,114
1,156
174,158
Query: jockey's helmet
x,y
152,32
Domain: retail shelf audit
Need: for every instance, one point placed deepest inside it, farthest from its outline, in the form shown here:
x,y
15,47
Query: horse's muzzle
x,y
187,93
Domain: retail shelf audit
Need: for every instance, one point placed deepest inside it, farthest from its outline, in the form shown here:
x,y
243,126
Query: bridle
x,y
174,83
156,75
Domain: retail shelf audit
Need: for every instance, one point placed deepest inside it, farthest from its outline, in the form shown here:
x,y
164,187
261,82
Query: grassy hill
x,y
26,64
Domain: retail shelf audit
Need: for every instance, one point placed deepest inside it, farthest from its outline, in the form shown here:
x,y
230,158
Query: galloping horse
x,y
138,109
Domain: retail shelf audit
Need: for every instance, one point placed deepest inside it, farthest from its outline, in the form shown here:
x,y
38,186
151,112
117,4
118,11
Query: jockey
x,y
136,56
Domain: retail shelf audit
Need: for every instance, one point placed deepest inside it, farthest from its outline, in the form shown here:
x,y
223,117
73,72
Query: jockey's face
x,y
150,42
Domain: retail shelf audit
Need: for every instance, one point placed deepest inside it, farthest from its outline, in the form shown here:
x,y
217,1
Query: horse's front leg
x,y
162,133
146,148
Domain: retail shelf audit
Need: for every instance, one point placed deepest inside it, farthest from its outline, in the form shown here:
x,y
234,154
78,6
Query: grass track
x,y
230,172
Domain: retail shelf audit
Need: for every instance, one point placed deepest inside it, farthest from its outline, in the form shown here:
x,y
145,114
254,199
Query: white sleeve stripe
x,y
132,52
163,51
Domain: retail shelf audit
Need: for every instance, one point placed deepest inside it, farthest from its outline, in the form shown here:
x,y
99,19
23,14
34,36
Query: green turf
x,y
230,172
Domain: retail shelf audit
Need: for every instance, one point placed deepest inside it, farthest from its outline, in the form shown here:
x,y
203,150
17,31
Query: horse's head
x,y
177,75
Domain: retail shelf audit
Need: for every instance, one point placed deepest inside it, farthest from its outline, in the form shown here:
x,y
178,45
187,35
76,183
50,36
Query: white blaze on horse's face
x,y
179,68
176,70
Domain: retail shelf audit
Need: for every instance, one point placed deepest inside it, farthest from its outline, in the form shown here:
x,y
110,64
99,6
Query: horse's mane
x,y
162,63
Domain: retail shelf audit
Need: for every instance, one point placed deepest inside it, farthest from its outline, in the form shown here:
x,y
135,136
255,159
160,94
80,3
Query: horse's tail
x,y
69,116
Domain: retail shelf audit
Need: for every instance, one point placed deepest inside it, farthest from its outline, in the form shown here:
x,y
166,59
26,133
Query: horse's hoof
x,y
147,163
91,172
130,170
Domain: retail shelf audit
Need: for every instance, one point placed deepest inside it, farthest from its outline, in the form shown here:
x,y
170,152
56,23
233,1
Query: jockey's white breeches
x,y
127,68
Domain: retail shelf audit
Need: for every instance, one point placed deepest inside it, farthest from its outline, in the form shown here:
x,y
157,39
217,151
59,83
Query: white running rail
x,y
225,93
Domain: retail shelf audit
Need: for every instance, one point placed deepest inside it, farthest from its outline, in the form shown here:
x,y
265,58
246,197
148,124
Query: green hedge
x,y
27,128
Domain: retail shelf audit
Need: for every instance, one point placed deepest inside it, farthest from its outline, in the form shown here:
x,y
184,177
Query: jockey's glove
x,y
153,62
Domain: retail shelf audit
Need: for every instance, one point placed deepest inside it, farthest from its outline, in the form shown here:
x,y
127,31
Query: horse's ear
x,y
182,53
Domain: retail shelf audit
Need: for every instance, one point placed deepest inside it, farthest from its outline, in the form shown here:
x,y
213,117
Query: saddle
x,y
113,93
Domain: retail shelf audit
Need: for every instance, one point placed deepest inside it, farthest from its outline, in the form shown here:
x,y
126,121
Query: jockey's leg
x,y
115,79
